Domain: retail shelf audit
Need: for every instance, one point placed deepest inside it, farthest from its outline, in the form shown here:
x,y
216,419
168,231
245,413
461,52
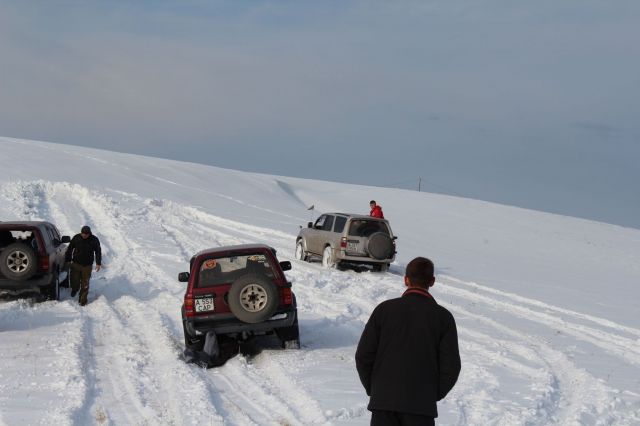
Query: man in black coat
x,y
408,357
82,250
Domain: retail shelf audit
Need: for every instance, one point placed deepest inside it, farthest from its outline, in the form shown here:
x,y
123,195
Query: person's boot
x,y
74,291
84,295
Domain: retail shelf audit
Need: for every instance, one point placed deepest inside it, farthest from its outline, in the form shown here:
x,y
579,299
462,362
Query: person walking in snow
x,y
81,252
376,210
408,357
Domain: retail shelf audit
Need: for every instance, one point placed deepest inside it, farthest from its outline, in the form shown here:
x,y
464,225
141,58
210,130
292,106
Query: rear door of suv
x,y
358,232
218,272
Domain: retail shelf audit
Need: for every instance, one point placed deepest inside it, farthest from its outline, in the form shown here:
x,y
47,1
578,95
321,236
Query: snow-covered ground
x,y
547,306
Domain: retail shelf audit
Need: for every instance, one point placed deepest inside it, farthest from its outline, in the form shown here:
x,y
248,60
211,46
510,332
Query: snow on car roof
x,y
240,247
24,223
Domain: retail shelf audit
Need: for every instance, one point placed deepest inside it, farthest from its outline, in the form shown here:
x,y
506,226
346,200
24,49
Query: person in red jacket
x,y
376,210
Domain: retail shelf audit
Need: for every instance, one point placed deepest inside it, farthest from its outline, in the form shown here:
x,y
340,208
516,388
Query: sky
x,y
529,104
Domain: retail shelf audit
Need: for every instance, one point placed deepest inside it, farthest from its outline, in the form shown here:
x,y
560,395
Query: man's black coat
x,y
407,357
81,251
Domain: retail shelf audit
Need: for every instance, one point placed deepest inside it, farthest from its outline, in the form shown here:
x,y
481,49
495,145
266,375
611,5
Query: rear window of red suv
x,y
225,270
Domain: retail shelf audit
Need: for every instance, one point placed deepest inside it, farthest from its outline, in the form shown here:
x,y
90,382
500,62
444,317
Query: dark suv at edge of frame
x,y
32,258
238,292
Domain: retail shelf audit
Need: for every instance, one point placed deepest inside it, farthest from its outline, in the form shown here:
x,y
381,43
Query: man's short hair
x,y
420,272
372,202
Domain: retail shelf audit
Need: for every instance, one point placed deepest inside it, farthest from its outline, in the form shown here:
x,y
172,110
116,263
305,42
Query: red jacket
x,y
376,212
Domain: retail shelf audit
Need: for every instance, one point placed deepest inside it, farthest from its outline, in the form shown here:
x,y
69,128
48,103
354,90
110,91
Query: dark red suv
x,y
32,258
238,292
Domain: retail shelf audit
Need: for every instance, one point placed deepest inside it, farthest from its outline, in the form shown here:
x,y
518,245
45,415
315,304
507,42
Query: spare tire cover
x,y
380,246
18,262
253,298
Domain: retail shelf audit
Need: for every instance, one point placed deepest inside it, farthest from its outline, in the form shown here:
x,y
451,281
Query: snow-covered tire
x,y
18,262
52,291
380,246
289,336
291,344
328,260
301,254
253,298
381,267
67,279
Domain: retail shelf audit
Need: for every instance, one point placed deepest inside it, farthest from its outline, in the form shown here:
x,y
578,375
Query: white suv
x,y
342,239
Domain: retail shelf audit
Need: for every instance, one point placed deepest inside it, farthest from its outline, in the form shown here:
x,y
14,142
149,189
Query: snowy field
x,y
547,306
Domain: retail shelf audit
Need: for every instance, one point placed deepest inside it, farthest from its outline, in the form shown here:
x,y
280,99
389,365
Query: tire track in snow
x,y
51,348
544,306
274,366
97,209
149,315
280,389
625,348
178,236
129,259
110,360
574,392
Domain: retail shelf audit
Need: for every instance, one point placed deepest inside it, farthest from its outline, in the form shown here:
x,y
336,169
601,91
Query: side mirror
x,y
309,224
286,265
66,239
183,277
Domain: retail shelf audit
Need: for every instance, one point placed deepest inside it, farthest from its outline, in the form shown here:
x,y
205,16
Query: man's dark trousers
x,y
80,276
393,418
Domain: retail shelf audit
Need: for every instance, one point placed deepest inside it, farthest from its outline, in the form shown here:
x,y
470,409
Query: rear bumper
x,y
229,324
17,287
361,260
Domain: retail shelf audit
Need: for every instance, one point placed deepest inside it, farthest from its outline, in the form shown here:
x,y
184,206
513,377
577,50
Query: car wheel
x,y
253,298
18,262
289,336
192,343
381,267
52,291
67,272
327,258
301,254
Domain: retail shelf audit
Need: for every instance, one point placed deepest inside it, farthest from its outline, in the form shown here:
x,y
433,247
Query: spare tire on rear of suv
x,y
380,246
18,262
253,298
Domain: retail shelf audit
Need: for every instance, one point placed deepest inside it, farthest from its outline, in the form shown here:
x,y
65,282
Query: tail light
x,y
44,263
188,305
343,242
287,296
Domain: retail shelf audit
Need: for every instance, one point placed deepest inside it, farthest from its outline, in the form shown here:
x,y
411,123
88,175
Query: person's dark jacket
x,y
82,251
408,357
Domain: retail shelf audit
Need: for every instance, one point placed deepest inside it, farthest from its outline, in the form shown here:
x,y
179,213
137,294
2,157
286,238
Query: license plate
x,y
204,304
352,246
